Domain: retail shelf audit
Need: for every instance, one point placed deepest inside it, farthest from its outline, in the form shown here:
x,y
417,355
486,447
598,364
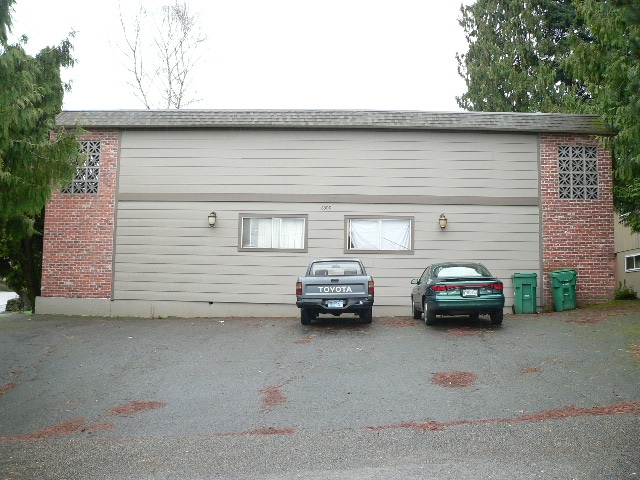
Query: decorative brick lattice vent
x,y
578,172
88,174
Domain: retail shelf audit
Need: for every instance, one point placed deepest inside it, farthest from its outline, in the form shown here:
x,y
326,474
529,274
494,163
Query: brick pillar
x,y
577,234
79,233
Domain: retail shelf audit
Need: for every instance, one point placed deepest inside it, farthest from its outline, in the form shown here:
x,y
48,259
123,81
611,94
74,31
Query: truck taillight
x,y
371,287
298,288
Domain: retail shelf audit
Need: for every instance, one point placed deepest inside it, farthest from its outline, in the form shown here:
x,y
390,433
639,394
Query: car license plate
x,y
335,303
470,292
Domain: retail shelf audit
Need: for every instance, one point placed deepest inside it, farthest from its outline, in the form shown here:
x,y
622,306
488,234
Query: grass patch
x,y
631,304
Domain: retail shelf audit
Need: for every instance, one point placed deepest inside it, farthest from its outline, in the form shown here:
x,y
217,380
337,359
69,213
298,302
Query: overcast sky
x,y
272,54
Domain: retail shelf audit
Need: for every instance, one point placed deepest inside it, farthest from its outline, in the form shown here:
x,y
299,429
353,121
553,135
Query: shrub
x,y
15,305
18,304
623,292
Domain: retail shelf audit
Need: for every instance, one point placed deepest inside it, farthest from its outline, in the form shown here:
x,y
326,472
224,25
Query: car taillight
x,y
298,288
439,288
496,286
371,287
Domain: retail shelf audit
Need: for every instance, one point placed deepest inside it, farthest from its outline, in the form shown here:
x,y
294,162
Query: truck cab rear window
x,y
324,269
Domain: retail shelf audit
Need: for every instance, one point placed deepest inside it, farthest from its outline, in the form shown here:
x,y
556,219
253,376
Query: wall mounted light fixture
x,y
442,221
212,219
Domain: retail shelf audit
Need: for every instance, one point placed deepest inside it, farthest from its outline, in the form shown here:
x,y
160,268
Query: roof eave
x,y
337,119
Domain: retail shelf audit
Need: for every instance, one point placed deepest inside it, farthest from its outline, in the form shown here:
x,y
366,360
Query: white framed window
x,y
632,263
379,234
266,232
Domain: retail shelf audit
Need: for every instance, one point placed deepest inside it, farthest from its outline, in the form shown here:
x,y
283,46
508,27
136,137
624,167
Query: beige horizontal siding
x,y
334,190
329,162
337,185
167,251
626,243
625,240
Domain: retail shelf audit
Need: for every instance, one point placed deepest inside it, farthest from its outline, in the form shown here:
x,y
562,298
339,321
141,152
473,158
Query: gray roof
x,y
338,119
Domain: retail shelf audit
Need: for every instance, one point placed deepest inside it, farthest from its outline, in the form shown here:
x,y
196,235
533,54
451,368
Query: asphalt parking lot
x,y
552,395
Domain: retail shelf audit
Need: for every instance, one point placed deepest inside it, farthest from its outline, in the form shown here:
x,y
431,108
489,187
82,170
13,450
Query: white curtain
x,y
256,232
291,233
287,232
263,227
380,234
364,234
395,235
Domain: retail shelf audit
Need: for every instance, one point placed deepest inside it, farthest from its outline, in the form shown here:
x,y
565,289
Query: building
x,y
627,247
131,236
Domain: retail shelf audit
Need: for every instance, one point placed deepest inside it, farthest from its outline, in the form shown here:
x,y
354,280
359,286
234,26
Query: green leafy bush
x,y
623,292
19,304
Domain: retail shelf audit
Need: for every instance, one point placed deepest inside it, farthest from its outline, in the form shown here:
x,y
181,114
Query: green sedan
x,y
457,288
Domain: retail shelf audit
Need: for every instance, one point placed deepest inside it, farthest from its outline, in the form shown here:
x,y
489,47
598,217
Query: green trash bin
x,y
525,285
563,286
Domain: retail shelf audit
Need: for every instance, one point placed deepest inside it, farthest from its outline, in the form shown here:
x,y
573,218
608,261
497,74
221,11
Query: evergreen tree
x,y
32,164
609,67
561,56
515,57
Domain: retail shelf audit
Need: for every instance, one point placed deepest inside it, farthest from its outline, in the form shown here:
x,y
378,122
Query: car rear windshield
x,y
322,269
458,271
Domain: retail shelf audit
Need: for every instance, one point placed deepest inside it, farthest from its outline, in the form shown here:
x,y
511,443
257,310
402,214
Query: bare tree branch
x,y
167,79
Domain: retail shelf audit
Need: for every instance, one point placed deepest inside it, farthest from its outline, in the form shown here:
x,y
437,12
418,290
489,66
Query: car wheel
x,y
305,316
367,315
417,314
496,317
429,315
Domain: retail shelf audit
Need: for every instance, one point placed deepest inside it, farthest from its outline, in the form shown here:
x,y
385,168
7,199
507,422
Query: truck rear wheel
x,y
366,315
306,316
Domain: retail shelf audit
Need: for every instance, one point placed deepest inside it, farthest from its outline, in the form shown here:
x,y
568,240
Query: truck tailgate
x,y
323,289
